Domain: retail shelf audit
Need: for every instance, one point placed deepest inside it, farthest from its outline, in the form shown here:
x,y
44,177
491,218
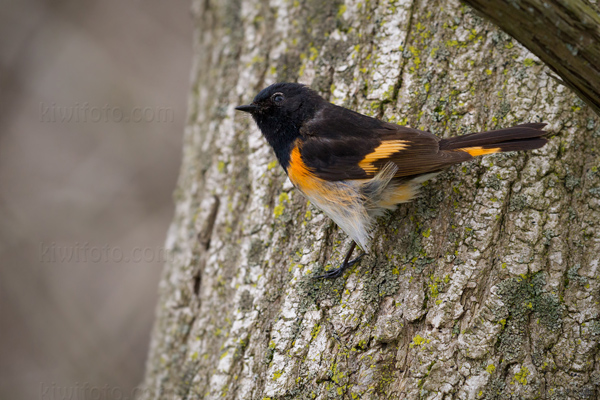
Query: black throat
x,y
281,134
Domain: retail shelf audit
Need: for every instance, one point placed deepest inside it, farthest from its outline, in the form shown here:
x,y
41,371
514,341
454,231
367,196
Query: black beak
x,y
249,108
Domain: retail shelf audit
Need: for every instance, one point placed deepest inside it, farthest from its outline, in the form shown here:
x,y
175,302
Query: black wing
x,y
339,144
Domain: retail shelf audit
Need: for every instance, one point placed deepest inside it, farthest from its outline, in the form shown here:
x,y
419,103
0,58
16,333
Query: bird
x,y
355,167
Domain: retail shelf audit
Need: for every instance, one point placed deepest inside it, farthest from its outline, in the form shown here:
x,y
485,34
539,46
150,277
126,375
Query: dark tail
x,y
517,138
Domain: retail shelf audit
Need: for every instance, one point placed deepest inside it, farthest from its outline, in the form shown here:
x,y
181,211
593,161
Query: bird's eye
x,y
277,97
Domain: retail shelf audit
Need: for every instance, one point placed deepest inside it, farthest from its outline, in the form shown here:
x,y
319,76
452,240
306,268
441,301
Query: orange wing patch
x,y
384,150
480,151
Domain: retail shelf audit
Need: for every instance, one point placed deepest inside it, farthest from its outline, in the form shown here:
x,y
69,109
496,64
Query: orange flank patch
x,y
479,151
384,150
316,189
300,174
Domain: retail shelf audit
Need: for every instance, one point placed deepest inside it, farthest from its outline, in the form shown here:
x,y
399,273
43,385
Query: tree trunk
x,y
485,287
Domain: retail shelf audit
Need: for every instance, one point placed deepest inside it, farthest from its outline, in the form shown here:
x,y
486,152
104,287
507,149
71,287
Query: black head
x,y
280,110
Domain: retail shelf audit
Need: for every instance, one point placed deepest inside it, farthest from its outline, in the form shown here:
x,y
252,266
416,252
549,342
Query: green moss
x,y
269,353
336,375
224,354
315,331
522,375
277,374
418,341
524,297
278,210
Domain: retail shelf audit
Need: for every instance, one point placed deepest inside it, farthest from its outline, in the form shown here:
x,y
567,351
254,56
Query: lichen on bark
x,y
485,287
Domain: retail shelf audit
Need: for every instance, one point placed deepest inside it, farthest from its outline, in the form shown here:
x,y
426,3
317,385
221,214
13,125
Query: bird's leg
x,y
334,273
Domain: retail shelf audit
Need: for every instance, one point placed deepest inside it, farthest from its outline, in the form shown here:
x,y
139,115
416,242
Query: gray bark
x,y
486,287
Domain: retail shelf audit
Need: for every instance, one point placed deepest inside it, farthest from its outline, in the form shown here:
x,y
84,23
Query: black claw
x,y
357,259
334,273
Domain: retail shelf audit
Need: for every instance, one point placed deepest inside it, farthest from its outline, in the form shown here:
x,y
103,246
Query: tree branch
x,y
563,34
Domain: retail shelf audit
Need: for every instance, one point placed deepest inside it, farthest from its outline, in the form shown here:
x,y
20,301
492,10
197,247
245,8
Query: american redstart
x,y
354,167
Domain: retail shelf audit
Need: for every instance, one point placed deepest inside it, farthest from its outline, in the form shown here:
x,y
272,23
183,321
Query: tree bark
x,y
563,34
485,287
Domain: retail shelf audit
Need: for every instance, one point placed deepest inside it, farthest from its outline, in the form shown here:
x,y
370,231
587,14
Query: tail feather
x,y
520,137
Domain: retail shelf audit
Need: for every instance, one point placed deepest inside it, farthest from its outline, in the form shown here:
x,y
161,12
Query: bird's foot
x,y
334,273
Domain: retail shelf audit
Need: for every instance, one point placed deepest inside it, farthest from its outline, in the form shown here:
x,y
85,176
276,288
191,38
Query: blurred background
x,y
93,99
